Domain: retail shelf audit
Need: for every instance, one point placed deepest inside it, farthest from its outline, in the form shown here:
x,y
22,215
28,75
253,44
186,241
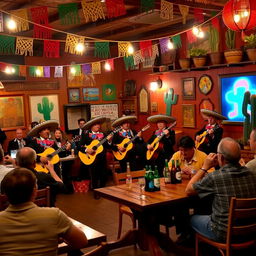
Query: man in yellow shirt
x,y
190,159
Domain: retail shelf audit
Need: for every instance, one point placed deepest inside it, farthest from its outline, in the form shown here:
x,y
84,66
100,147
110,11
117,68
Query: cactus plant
x,y
45,108
214,39
230,36
247,117
170,99
253,111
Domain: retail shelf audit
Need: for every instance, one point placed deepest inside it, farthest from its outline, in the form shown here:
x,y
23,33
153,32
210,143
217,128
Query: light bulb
x,y
200,34
245,14
236,17
195,30
170,45
107,66
8,70
80,47
72,70
11,24
130,49
153,86
38,72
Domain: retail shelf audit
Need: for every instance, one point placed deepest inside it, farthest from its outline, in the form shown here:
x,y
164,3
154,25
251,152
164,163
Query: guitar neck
x,y
168,128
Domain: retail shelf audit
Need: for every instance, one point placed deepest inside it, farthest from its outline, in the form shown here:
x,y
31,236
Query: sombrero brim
x,y
208,112
124,119
159,118
51,124
96,120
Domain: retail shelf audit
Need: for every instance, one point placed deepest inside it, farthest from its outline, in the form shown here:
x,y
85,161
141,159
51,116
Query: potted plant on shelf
x,y
198,55
250,45
232,55
214,40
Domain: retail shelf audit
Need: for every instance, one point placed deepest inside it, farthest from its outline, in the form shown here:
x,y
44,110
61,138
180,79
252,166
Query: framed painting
x,y
90,94
206,104
188,88
188,114
108,92
12,113
74,95
205,84
143,100
44,107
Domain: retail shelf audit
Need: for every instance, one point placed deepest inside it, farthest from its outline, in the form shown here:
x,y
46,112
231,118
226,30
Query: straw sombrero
x,y
124,119
159,118
51,124
215,114
95,120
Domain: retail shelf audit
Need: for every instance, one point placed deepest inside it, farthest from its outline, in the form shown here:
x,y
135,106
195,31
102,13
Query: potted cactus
x,y
232,55
198,55
214,39
250,46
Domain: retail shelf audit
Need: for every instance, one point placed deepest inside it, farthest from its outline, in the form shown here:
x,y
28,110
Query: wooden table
x,y
147,209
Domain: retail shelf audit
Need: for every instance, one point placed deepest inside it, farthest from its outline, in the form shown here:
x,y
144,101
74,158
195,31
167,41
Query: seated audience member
x,y
27,229
2,137
231,180
3,168
252,164
26,157
190,159
18,142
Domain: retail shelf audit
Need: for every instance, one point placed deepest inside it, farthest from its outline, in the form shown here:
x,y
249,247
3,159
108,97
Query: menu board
x,y
107,110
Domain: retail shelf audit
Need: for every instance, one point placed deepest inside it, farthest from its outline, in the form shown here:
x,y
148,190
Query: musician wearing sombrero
x,y
165,150
208,138
136,155
97,167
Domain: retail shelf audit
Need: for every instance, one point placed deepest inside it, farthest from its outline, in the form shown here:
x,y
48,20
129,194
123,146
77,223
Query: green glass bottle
x,y
156,179
151,180
178,172
166,172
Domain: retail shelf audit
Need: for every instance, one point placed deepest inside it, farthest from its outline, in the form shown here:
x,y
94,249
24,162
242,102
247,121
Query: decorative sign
x,y
205,84
107,110
143,100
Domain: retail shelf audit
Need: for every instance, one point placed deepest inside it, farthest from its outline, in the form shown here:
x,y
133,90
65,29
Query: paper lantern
x,y
240,15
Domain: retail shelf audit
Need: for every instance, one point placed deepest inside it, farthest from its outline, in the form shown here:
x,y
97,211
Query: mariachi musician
x,y
92,155
134,153
208,138
166,143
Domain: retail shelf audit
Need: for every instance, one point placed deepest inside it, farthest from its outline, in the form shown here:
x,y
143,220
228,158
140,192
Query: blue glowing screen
x,y
232,92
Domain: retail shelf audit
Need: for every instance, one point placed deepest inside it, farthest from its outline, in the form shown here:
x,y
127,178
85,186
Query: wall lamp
x,y
156,84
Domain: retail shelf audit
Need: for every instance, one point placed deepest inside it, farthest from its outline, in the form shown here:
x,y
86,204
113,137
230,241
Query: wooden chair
x,y
241,223
42,199
119,178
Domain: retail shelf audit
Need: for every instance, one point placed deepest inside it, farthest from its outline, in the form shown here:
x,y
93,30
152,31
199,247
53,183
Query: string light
x,y
72,70
80,47
11,24
195,31
107,66
38,72
9,70
170,45
130,49
200,34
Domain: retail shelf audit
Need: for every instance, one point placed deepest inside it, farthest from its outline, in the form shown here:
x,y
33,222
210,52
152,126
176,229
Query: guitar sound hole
x,y
94,148
125,145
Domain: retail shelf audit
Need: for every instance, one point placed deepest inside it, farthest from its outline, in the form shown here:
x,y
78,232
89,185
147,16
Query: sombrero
x,y
159,118
215,114
95,120
51,124
124,119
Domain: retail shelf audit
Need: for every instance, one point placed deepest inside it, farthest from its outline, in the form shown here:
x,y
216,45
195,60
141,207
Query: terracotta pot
x,y
233,56
199,61
216,58
184,63
251,53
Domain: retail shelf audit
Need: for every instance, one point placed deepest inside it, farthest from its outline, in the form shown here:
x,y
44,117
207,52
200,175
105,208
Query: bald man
x,y
231,180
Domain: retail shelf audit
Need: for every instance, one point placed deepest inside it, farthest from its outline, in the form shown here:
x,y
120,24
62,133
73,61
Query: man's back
x,y
27,229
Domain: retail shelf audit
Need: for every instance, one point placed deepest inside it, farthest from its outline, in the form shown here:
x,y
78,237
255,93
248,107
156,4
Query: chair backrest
x,y
242,219
42,199
119,178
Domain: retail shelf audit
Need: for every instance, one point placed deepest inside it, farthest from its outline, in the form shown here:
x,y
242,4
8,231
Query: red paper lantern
x,y
240,15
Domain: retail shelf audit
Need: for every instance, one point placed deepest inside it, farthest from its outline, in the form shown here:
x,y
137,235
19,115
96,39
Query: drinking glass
x,y
142,184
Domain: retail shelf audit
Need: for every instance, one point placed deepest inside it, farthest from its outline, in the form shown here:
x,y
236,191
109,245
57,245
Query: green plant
x,y
214,39
250,41
196,52
230,39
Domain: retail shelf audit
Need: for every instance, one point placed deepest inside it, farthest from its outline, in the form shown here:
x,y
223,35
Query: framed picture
x,y
188,113
143,100
90,94
109,92
206,104
44,107
188,88
205,84
12,113
73,95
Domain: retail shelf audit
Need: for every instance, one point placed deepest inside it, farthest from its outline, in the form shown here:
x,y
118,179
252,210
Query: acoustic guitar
x,y
96,145
52,155
155,144
127,144
203,137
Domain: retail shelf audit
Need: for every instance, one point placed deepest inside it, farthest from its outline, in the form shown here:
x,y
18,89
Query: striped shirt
x,y
229,181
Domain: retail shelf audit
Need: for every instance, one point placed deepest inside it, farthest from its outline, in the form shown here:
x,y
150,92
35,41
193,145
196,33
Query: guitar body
x,y
202,139
150,153
121,155
88,159
40,168
55,159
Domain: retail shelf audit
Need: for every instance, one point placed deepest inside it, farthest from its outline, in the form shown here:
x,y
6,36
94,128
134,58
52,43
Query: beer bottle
x,y
146,178
156,179
178,172
167,175
128,175
173,173
150,180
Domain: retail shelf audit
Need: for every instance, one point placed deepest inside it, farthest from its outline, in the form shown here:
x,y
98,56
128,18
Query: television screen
x,y
232,89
